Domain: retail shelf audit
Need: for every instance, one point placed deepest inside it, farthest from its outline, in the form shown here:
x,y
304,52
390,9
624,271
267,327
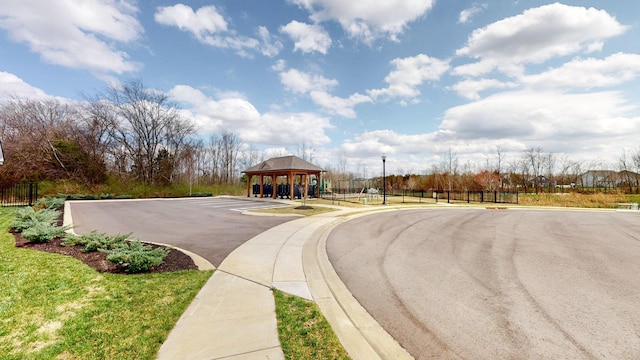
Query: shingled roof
x,y
284,163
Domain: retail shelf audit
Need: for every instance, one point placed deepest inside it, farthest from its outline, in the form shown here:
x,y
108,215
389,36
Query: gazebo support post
x,y
274,186
261,186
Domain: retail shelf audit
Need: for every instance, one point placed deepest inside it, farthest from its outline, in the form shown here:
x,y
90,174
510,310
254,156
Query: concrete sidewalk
x,y
233,316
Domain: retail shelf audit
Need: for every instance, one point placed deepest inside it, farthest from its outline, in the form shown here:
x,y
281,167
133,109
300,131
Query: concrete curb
x,y
361,335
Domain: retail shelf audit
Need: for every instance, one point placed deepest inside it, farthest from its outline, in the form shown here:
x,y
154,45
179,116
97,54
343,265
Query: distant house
x,y
542,181
597,178
609,178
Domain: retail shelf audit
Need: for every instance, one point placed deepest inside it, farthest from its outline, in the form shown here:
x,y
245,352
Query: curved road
x,y
487,284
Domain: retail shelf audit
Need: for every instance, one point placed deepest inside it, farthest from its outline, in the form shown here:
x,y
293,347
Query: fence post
x,y
30,194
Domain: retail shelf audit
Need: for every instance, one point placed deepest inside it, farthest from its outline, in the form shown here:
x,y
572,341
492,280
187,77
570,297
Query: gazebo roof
x,y
284,163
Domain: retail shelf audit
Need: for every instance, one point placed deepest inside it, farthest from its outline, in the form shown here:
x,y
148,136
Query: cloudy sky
x,y
413,79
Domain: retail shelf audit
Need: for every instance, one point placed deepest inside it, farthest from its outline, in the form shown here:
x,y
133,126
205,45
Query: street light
x,y
384,181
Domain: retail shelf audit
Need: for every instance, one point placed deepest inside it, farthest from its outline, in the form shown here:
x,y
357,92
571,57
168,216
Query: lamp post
x,y
384,181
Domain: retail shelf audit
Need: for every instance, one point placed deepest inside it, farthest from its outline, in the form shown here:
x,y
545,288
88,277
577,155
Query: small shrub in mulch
x,y
42,230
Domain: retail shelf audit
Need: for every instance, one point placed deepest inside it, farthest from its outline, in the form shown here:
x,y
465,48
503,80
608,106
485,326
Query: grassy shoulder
x,y
117,188
54,306
304,332
598,200
292,210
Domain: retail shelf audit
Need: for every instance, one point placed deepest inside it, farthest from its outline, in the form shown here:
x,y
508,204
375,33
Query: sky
x,y
415,80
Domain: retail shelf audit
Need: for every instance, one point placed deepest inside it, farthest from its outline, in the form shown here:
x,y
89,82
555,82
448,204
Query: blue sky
x,y
413,79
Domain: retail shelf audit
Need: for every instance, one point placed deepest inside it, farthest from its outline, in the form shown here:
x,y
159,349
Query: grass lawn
x,y
54,306
291,210
597,200
304,333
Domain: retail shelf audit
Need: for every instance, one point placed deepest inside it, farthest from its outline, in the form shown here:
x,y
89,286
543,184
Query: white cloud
x,y
301,82
200,23
375,143
307,38
238,115
467,14
584,127
409,74
73,36
368,20
335,105
579,73
209,27
470,88
270,46
543,117
589,73
11,86
536,35
317,86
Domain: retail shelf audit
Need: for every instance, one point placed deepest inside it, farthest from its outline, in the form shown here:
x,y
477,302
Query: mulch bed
x,y
175,260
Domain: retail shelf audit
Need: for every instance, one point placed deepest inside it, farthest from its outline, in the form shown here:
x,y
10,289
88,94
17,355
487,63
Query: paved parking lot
x,y
209,227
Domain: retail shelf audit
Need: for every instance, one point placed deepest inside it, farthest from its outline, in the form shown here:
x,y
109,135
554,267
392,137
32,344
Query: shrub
x,y
135,257
28,217
201,194
49,203
43,232
95,241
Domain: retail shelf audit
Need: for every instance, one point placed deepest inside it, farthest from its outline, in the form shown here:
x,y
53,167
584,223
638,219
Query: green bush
x,y
201,194
49,203
95,241
28,217
43,232
78,196
136,257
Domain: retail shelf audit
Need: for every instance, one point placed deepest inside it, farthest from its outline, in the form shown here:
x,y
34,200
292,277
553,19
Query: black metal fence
x,y
469,196
25,194
425,196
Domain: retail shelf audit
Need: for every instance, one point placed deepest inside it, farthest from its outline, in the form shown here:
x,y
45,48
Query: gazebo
x,y
287,166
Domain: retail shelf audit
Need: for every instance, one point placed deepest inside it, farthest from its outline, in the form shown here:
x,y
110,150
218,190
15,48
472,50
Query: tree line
x,y
127,132
132,133
532,170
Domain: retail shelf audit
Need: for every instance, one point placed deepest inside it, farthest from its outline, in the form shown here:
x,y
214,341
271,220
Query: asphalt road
x,y
497,284
209,227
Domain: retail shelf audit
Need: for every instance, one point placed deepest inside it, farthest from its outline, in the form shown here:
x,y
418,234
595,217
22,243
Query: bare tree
x,y
343,163
230,153
451,167
46,142
143,121
549,164
535,159
626,175
500,156
249,157
305,152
